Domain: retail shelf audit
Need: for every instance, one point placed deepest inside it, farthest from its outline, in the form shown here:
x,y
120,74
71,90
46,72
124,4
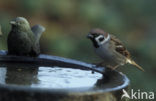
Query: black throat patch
x,y
95,43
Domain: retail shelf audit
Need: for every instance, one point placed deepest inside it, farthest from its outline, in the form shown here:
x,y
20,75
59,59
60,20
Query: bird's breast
x,y
103,51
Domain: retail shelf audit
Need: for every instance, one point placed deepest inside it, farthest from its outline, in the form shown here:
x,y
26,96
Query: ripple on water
x,y
48,77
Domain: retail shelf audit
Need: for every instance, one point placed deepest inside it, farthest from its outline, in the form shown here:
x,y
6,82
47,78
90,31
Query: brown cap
x,y
98,31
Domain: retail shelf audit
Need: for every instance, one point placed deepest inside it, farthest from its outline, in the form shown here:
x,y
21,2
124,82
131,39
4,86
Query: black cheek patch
x,y
101,39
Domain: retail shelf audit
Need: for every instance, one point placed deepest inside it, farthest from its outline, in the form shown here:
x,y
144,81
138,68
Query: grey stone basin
x,y
53,78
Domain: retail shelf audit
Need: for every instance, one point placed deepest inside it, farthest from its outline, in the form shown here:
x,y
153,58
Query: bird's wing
x,y
38,30
119,47
122,50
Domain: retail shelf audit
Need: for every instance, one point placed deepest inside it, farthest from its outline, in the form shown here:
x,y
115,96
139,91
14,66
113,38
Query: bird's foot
x,y
112,67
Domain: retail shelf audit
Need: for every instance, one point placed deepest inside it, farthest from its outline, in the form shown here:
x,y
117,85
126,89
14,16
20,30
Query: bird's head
x,y
98,37
20,22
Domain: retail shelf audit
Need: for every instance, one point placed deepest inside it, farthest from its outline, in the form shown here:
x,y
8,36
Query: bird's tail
x,y
135,64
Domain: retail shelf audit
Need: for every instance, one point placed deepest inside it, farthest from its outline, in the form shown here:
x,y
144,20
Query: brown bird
x,y
110,49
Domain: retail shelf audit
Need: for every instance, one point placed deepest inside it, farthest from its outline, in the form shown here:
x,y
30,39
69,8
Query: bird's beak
x,y
89,36
12,22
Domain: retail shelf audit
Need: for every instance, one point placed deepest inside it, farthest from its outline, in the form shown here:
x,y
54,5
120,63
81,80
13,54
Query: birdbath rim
x,y
48,60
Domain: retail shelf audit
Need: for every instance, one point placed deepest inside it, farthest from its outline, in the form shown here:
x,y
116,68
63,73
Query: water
x,y
47,77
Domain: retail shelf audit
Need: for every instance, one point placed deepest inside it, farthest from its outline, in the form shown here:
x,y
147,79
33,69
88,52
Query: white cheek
x,y
102,42
97,39
106,40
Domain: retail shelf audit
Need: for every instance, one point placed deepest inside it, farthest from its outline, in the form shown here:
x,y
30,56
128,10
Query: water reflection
x,y
2,75
18,75
21,75
47,77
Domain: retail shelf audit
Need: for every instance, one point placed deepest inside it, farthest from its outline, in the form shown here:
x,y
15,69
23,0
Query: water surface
x,y
48,77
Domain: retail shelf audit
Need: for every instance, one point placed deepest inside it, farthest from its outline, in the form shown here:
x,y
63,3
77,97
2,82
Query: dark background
x,y
68,22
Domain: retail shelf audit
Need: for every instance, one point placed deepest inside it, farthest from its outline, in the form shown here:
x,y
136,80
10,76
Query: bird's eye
x,y
101,39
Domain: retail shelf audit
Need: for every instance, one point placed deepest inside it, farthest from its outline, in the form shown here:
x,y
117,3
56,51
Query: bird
x,y
110,49
22,39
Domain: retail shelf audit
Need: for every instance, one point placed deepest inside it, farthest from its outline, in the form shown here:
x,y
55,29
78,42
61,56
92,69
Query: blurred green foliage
x,y
67,23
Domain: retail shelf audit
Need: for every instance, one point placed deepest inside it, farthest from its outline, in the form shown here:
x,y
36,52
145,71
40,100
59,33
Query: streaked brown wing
x,y
119,47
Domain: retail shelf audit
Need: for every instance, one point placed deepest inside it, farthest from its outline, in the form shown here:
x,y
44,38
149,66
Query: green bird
x,y
22,39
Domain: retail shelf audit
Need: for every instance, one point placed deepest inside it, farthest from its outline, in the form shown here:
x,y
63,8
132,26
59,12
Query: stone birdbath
x,y
53,78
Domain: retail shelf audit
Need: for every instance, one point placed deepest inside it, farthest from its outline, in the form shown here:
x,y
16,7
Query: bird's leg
x,y
96,65
112,67
100,64
115,67
109,66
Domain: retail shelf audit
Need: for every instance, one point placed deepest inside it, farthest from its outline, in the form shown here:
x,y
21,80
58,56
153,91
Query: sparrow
x,y
110,49
22,39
